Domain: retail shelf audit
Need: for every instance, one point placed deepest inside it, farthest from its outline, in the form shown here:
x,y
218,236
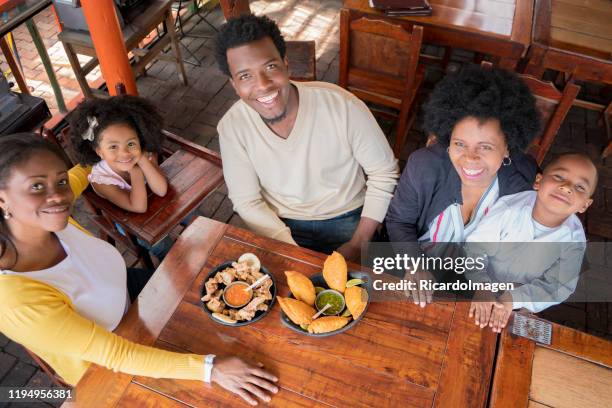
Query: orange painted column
x,y
107,38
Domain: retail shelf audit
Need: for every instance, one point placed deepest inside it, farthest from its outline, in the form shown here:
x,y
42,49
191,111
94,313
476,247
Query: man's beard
x,y
272,121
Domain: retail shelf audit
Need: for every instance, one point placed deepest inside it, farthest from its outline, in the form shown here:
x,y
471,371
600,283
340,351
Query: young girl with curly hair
x,y
121,138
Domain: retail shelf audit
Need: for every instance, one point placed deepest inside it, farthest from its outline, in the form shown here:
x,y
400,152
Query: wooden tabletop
x,y
398,355
580,26
575,370
497,27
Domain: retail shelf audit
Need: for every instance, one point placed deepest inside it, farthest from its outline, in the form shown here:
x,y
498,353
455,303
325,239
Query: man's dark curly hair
x,y
483,94
134,111
243,30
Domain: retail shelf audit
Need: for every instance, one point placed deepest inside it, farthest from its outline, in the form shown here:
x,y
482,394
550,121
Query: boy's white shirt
x,y
548,272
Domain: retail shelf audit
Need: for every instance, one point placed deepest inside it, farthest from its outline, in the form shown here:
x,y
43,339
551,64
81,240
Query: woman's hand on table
x,y
419,296
481,308
502,309
243,379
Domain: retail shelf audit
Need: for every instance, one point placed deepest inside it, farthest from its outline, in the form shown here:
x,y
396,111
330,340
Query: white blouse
x,y
93,275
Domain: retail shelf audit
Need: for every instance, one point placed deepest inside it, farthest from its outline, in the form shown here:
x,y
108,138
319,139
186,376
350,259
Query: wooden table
x,y
572,36
399,355
575,37
574,371
501,28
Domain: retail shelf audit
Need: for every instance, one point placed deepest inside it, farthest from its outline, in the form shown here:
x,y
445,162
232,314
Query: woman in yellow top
x,y
64,291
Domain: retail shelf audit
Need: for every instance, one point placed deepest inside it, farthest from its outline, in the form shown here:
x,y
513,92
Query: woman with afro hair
x,y
482,120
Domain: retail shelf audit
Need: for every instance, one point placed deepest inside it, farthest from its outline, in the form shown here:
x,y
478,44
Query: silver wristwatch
x,y
208,366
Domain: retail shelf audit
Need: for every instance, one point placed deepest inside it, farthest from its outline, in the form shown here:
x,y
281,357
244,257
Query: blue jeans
x,y
160,249
325,235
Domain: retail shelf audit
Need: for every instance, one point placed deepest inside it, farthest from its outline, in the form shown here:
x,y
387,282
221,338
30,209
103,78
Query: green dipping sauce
x,y
332,297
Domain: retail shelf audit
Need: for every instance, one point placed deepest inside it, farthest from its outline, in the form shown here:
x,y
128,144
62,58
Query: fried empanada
x,y
298,311
327,324
301,287
356,300
335,272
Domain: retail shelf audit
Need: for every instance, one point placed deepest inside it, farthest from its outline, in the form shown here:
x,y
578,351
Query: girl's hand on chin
x,y
136,170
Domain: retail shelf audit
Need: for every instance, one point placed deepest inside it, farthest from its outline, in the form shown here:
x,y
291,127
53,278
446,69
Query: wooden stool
x,y
159,12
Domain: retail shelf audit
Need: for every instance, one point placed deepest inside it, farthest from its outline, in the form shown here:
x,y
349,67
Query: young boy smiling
x,y
547,274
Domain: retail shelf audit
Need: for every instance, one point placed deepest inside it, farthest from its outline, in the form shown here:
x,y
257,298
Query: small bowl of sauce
x,y
333,298
236,295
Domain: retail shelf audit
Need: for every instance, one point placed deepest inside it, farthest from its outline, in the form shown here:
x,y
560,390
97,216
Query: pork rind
x,y
356,300
301,287
327,324
298,311
335,272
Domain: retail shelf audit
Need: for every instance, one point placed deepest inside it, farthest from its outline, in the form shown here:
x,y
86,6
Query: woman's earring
x,y
7,214
507,161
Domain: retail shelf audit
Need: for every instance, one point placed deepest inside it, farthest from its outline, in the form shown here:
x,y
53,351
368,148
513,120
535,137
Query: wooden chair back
x,y
553,106
235,8
379,63
301,55
378,59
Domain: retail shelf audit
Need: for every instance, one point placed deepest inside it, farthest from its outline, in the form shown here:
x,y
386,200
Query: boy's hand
x,y
502,309
481,308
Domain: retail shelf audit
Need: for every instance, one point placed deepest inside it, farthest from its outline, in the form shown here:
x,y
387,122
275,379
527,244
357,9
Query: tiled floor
x,y
193,112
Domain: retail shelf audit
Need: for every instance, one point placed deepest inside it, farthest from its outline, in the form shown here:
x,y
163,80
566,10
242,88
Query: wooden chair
x,y
159,12
553,106
580,55
193,172
379,63
301,55
607,119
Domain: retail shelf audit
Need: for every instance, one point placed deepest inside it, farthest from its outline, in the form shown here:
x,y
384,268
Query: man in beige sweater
x,y
305,162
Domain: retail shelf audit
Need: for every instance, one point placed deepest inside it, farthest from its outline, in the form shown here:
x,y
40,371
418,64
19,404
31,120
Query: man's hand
x,y
350,251
502,309
243,379
419,296
363,234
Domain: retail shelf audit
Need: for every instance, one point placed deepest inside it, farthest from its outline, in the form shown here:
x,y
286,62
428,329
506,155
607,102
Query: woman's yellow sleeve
x,y
77,177
40,318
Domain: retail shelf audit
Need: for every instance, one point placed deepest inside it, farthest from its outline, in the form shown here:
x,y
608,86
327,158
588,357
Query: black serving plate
x,y
318,280
258,315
